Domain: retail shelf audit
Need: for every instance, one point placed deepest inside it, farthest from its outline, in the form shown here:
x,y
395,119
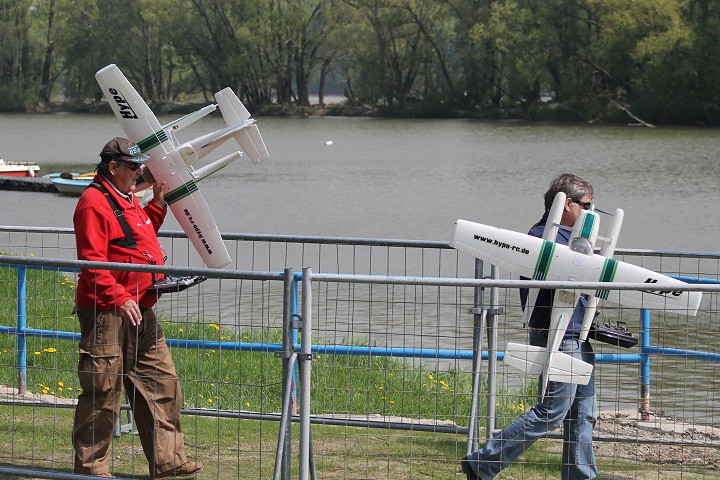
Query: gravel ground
x,y
680,449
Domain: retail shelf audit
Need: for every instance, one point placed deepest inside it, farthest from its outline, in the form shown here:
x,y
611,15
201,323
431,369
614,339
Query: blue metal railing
x,y
22,331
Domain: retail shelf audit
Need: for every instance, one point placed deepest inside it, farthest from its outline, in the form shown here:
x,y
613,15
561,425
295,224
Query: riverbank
x,y
338,106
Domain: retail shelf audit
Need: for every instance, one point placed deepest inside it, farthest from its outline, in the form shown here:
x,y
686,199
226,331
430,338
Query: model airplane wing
x,y
169,160
544,260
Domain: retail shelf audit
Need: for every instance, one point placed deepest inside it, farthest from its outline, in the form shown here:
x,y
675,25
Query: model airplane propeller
x,y
543,259
171,162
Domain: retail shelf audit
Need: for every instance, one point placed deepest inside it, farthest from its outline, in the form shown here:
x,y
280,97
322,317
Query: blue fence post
x,y
644,365
21,326
294,341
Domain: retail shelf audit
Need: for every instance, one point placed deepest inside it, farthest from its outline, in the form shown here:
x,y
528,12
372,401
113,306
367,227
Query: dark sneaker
x,y
467,470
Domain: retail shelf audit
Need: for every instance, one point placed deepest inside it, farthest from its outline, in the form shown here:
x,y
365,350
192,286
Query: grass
x,y
225,380
39,438
231,379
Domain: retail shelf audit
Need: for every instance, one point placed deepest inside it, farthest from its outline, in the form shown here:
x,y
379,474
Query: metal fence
x,y
390,389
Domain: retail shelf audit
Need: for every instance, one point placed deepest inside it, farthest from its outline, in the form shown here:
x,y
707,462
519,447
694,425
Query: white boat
x,y
18,169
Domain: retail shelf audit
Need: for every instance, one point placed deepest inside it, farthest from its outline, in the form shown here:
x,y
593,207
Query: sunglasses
x,y
131,165
584,205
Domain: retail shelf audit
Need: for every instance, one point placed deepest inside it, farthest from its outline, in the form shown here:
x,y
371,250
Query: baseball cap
x,y
123,149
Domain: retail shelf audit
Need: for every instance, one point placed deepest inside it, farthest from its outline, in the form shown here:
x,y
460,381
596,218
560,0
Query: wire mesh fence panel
x,y
391,382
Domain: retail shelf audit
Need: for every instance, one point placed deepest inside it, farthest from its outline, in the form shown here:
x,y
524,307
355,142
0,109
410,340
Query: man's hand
x,y
159,194
130,312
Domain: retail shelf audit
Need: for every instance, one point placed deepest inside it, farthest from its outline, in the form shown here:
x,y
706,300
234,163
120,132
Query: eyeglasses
x,y
131,165
584,205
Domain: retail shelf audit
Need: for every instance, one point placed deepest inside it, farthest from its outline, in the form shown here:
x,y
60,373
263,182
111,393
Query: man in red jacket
x,y
121,340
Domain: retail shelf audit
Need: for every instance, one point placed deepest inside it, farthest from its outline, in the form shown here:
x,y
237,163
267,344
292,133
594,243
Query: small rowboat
x,y
71,183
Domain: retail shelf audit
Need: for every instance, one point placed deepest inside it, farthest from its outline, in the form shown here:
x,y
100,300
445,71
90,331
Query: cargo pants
x,y
112,354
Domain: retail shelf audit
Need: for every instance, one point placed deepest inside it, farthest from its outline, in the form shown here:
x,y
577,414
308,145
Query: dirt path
x,y
681,449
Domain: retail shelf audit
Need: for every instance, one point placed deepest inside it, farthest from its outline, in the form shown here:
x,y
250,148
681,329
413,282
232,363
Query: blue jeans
x,y
574,405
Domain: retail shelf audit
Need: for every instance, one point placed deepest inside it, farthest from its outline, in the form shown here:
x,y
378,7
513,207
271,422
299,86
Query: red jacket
x,y
95,229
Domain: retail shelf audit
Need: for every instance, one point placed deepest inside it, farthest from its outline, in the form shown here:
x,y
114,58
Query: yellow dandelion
x,y
392,402
247,404
182,330
521,406
213,351
380,387
61,384
382,398
431,377
37,353
215,326
444,384
210,400
69,389
512,408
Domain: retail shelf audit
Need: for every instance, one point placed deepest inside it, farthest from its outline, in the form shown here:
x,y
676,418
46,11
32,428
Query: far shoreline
x,y
339,107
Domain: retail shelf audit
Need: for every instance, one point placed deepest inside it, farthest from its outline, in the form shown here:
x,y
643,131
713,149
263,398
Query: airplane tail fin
x,y
234,113
232,109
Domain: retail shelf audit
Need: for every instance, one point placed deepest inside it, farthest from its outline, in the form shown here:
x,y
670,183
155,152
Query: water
x,y
410,179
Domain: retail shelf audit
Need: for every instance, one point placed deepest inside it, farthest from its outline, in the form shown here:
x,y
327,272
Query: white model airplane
x,y
542,259
170,161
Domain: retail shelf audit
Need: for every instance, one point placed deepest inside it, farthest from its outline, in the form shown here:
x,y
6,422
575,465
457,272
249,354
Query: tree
x,y
19,64
389,51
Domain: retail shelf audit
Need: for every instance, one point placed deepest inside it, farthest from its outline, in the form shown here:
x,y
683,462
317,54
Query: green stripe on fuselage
x,y
544,259
181,192
607,275
152,141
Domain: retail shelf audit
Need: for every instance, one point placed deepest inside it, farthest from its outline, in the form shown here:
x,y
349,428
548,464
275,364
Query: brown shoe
x,y
185,470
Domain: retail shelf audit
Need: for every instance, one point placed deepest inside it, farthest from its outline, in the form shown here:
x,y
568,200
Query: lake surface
x,y
411,179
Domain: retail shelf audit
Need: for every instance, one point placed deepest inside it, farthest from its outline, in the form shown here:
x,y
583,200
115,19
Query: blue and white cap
x,y
123,149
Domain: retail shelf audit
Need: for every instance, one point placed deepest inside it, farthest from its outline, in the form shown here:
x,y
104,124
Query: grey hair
x,y
571,185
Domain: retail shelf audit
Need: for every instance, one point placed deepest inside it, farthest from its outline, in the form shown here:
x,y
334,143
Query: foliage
x,y
533,58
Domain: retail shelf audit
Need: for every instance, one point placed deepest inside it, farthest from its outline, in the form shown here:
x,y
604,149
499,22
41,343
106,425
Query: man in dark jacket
x,y
570,404
121,340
